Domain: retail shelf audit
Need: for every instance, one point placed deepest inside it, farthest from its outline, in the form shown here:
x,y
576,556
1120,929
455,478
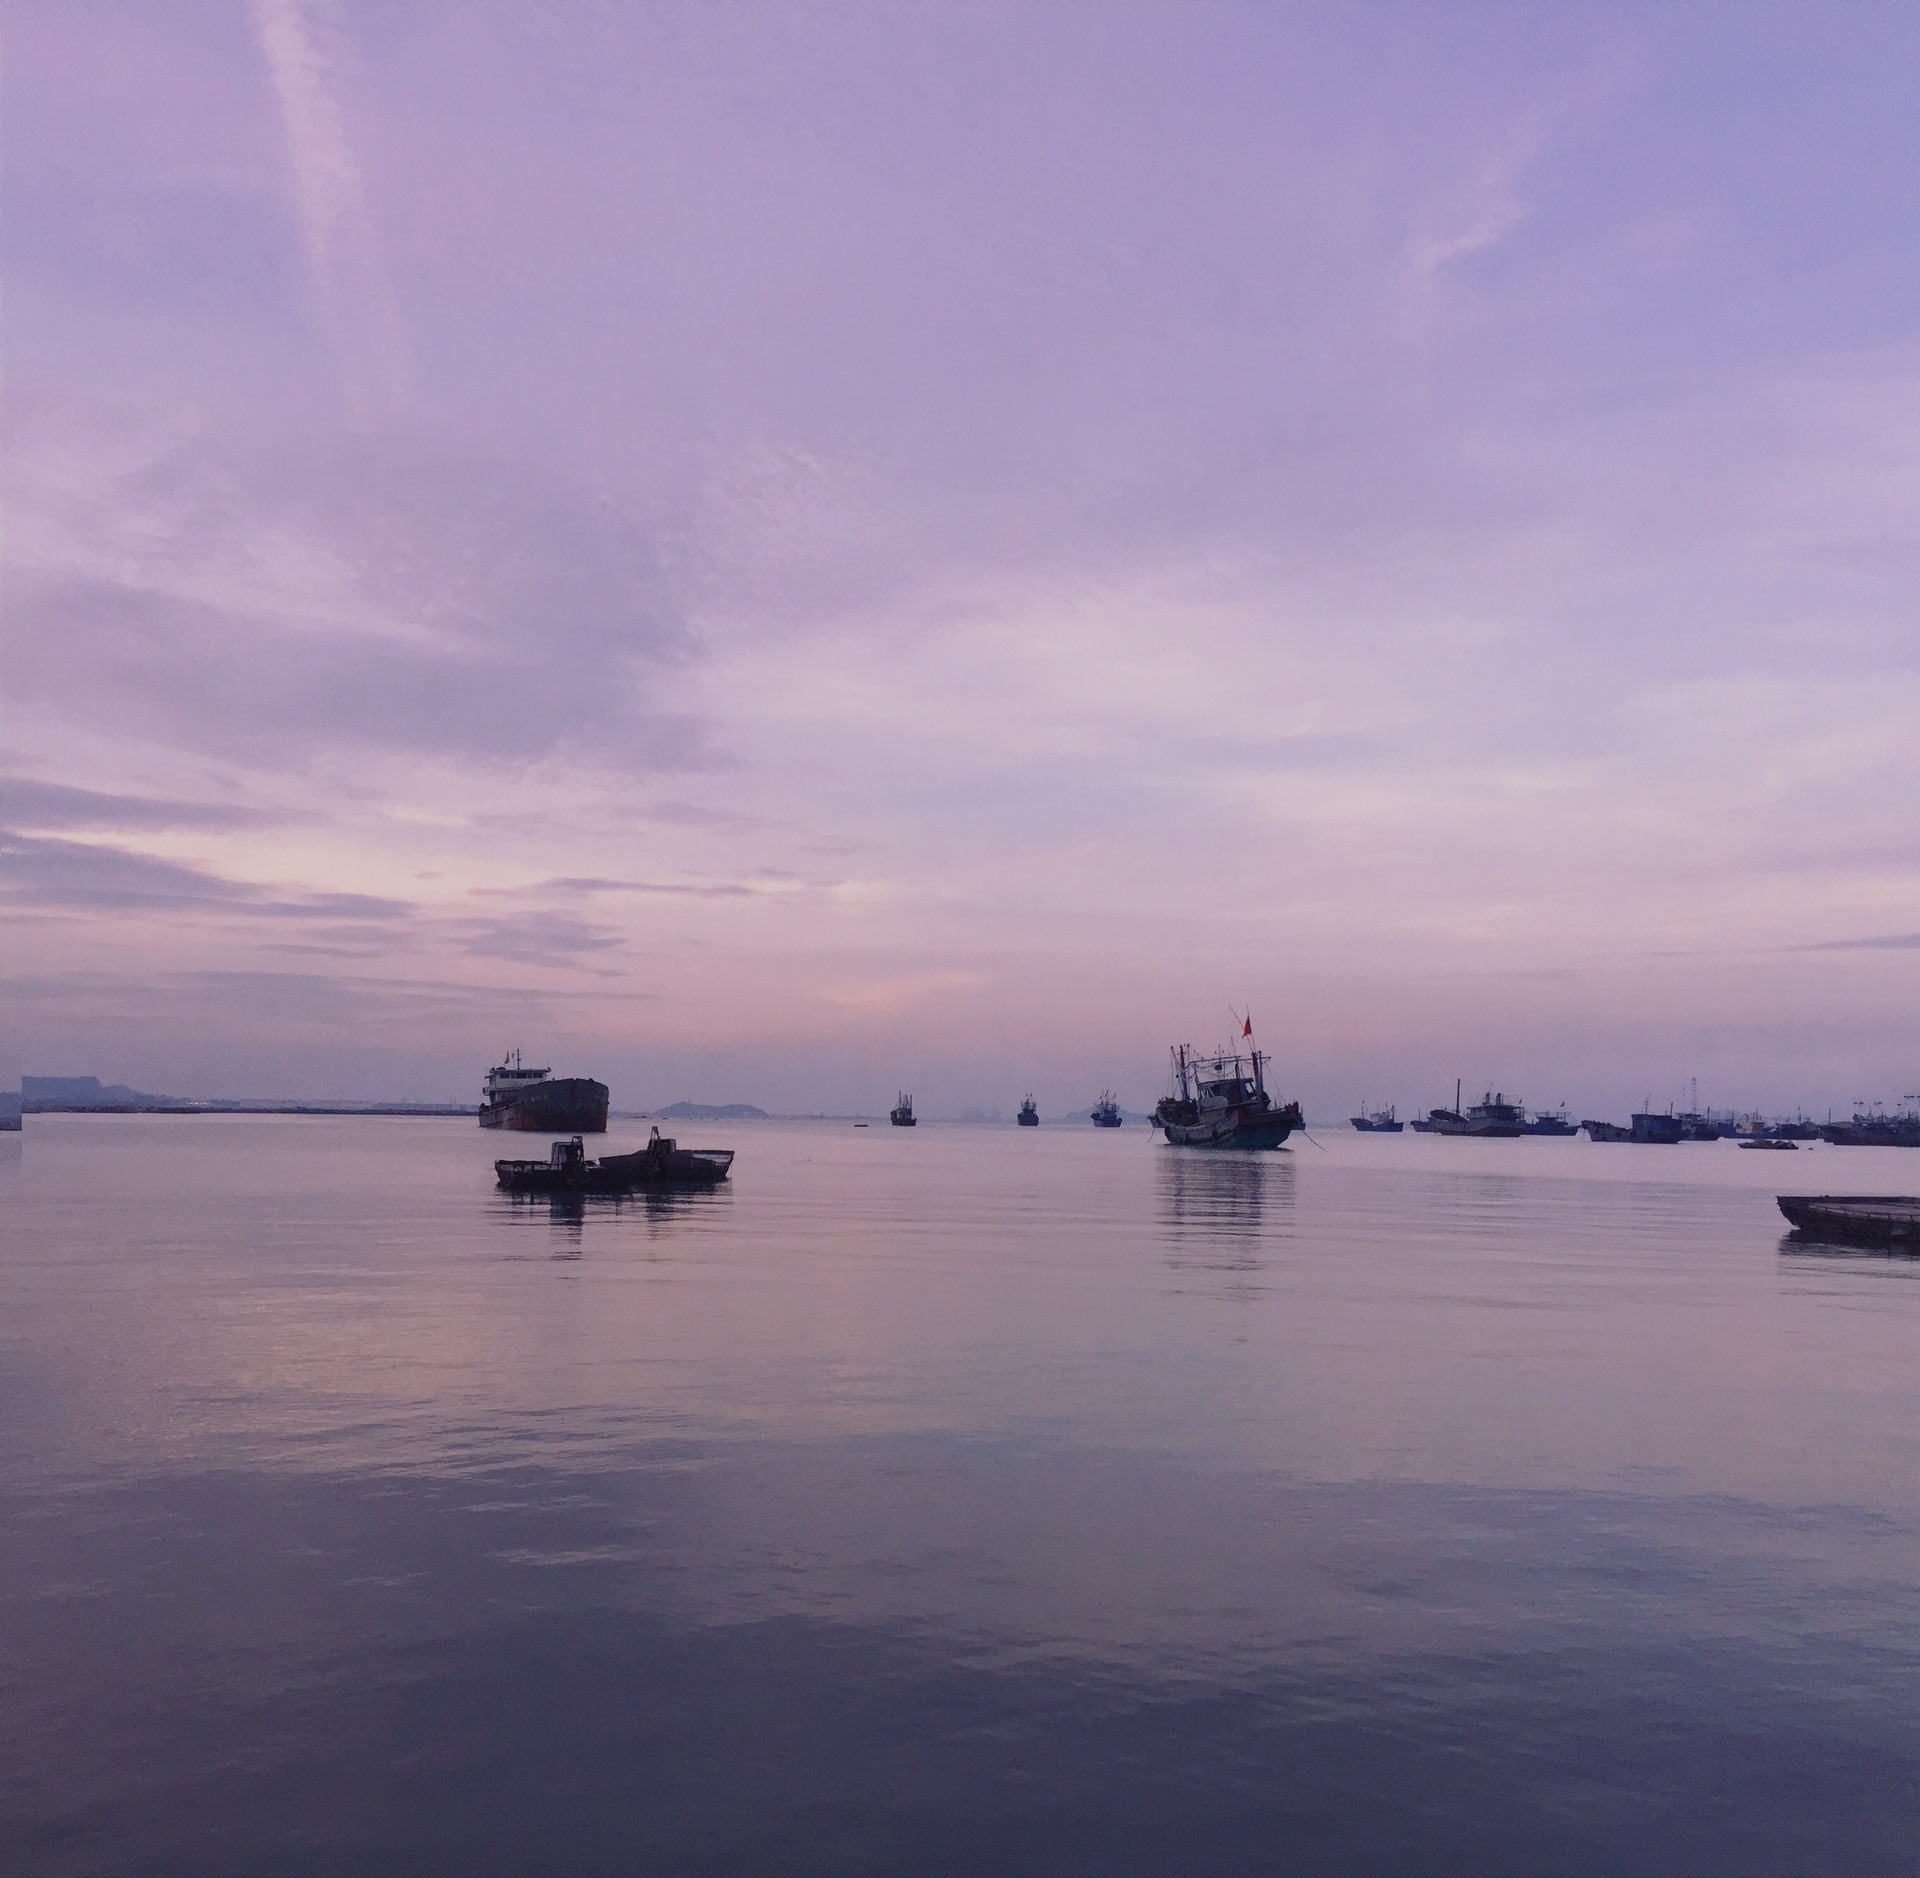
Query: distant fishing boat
x,y
1492,1117
901,1114
1875,1131
1029,1116
1647,1129
1378,1122
1443,1121
1767,1144
1106,1112
1222,1102
1552,1122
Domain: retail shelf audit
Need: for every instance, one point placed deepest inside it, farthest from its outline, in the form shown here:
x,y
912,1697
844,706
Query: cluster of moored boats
x,y
1493,1116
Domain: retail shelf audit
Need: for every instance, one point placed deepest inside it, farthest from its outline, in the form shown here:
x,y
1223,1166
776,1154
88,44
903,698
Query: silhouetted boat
x,y
1029,1116
1492,1117
660,1165
1379,1122
1875,1131
1660,1130
901,1114
1106,1112
1606,1131
1551,1122
1767,1144
1861,1219
533,1102
1222,1102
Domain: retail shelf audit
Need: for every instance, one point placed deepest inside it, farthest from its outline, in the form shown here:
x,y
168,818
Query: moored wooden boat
x,y
661,1165
1857,1218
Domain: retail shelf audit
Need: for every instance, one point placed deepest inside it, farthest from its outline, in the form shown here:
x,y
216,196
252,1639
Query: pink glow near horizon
x,y
773,554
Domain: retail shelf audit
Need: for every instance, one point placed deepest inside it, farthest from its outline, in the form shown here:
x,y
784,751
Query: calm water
x,y
969,1500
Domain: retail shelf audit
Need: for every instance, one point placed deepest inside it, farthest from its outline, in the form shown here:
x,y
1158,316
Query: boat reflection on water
x,y
1219,1213
656,1215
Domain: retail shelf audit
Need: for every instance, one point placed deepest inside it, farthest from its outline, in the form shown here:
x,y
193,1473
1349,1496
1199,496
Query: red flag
x,y
1246,1029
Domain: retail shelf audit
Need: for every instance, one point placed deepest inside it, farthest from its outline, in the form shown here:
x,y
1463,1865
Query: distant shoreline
x,y
432,1109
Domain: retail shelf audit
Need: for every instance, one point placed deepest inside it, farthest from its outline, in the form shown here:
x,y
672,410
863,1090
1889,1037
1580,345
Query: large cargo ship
x,y
1222,1102
535,1103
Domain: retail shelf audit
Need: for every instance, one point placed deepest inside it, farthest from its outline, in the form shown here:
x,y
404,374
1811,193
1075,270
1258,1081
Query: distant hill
x,y
712,1112
86,1092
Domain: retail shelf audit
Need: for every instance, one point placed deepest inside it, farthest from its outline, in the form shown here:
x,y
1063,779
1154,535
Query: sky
x,y
782,553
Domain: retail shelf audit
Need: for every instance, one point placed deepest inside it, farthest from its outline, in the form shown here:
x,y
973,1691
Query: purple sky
x,y
776,553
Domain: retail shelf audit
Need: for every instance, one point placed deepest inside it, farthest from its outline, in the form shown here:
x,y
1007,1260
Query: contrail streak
x,y
351,294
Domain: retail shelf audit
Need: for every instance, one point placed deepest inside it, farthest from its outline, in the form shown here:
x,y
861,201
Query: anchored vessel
x,y
1492,1115
1222,1102
533,1101
1864,1219
1659,1130
1552,1122
1029,1116
901,1114
660,1165
1379,1121
1875,1131
1106,1112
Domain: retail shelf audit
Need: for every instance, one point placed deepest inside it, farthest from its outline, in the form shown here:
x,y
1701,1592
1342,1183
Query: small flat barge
x,y
661,1166
1857,1219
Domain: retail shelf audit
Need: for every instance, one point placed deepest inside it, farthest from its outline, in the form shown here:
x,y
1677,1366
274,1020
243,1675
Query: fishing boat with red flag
x,y
1222,1101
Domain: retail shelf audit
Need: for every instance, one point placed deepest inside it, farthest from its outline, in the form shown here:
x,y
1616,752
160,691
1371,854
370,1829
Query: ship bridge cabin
x,y
512,1074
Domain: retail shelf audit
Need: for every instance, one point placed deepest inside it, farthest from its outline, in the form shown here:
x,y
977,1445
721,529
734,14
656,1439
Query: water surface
x,y
969,1499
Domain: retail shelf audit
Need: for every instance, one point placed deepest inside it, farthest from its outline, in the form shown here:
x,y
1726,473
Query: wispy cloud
x,y
28,805
581,884
535,939
352,296
40,873
1890,942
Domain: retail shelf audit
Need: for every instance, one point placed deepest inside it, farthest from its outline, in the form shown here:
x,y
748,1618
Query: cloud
x,y
535,939
1891,942
267,603
350,287
586,884
26,804
35,872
